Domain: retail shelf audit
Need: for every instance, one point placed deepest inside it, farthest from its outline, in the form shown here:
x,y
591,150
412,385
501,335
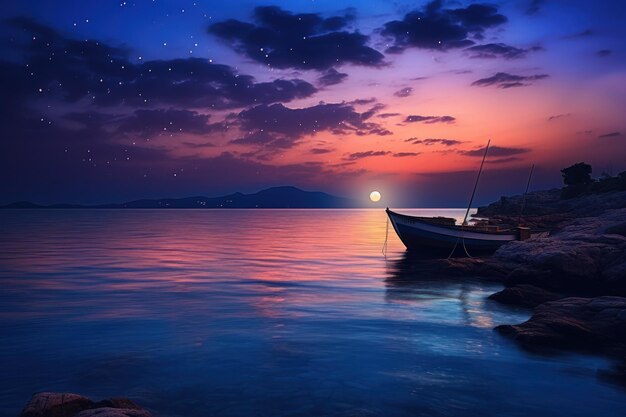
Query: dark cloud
x,y
611,135
147,123
506,80
433,141
499,50
320,151
558,116
367,154
496,151
437,28
388,115
582,34
405,154
332,77
282,39
535,6
604,52
429,119
504,160
277,125
69,70
404,92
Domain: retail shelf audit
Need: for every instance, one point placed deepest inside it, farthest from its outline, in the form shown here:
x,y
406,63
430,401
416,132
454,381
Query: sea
x,y
264,313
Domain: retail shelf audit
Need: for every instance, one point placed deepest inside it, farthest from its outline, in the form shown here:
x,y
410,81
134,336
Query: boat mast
x,y
519,219
469,206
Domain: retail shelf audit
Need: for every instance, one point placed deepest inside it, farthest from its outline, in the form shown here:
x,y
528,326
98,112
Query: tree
x,y
577,174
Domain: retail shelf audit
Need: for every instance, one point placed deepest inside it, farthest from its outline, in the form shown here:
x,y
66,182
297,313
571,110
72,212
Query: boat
x,y
430,236
440,235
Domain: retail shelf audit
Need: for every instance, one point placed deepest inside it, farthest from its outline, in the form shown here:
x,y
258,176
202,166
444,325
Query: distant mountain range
x,y
276,197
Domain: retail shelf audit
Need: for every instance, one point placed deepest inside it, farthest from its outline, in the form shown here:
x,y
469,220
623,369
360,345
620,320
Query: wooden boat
x,y
439,235
442,236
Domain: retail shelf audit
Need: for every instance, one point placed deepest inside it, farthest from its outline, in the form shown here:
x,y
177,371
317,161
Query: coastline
x,y
574,279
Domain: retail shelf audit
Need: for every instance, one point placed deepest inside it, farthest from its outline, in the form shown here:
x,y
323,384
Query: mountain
x,y
275,197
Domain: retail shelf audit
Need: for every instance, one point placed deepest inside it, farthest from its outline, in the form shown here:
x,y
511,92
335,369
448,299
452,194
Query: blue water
x,y
263,313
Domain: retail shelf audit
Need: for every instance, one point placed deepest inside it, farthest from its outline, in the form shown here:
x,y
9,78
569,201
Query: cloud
x,y
332,77
282,39
506,80
437,28
499,50
367,154
610,135
70,70
279,125
535,6
433,141
504,160
404,92
405,154
604,52
558,116
496,151
582,34
320,151
148,123
429,119
388,115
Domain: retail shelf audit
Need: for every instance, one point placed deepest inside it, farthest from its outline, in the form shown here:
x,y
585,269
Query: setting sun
x,y
375,196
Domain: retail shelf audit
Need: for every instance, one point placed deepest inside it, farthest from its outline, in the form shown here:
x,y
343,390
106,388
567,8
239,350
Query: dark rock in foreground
x,y
50,404
524,296
584,323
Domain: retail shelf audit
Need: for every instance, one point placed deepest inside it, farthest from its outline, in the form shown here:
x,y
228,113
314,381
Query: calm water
x,y
262,313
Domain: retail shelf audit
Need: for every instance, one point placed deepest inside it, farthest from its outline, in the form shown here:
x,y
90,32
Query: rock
x,y
524,296
49,404
117,403
584,256
591,323
113,412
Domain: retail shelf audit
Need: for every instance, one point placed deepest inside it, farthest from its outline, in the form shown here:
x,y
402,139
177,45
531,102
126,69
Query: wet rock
x,y
118,403
50,404
113,412
591,323
524,296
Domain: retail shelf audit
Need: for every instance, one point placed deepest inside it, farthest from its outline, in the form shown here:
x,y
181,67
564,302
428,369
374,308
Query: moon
x,y
375,196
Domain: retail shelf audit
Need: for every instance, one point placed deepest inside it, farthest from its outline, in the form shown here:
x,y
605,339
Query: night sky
x,y
113,101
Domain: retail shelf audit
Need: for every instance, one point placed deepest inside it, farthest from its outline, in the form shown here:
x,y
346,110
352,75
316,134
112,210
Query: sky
x,y
115,101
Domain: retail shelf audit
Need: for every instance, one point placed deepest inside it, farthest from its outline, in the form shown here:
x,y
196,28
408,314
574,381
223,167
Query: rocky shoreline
x,y
574,279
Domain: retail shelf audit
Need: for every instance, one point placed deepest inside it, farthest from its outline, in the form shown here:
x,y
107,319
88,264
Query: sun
x,y
375,196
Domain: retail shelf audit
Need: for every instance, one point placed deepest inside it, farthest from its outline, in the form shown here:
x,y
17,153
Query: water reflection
x,y
412,279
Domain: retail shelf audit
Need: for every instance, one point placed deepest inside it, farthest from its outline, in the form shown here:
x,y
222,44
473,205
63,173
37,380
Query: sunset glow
x,y
342,94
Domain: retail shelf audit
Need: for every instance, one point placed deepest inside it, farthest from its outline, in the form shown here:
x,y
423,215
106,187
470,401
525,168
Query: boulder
x,y
590,323
113,412
524,296
588,255
50,404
